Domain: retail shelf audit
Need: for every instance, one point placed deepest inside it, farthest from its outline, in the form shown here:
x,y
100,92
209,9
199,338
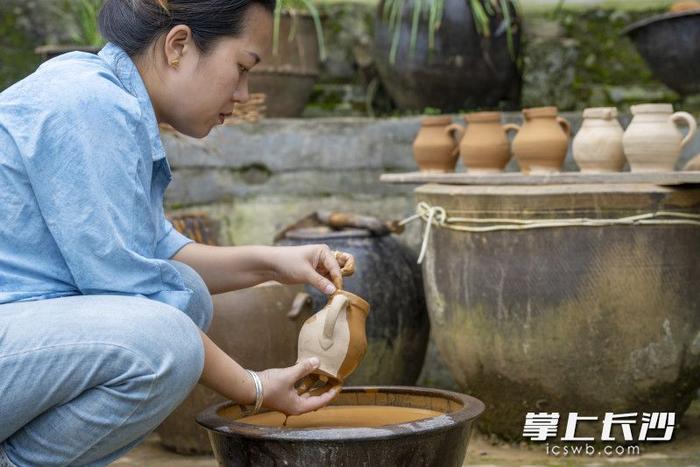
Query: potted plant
x,y
289,70
449,54
86,37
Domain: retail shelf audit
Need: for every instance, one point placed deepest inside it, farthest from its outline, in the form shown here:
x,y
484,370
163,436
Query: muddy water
x,y
355,416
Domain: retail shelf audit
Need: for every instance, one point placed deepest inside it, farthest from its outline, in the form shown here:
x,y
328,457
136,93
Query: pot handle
x,y
565,125
457,129
338,303
692,125
511,127
300,301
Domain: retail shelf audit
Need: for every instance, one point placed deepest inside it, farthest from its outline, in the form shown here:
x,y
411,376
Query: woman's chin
x,y
196,132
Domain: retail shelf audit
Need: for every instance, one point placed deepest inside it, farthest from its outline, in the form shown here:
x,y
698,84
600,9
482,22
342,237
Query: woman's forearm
x,y
229,268
223,375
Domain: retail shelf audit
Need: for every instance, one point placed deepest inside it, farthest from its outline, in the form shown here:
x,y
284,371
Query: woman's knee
x,y
168,343
200,308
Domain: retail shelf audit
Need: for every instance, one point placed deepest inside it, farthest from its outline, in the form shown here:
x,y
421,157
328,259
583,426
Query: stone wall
x,y
257,178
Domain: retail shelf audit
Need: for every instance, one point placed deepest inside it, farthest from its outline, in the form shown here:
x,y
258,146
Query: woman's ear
x,y
178,42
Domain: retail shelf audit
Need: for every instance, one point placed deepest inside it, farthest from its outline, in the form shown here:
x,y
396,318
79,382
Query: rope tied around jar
x,y
437,216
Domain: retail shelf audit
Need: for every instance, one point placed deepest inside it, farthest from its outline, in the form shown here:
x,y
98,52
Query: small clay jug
x,y
652,142
336,335
435,148
542,142
484,144
597,146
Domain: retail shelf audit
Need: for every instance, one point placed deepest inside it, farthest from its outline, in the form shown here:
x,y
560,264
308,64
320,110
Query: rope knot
x,y
432,214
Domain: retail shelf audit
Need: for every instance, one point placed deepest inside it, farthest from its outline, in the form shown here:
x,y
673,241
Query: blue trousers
x,y
84,379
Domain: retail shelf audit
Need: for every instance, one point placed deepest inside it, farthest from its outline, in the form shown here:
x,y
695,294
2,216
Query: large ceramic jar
x,y
388,278
652,142
460,70
584,319
483,145
542,142
435,148
597,146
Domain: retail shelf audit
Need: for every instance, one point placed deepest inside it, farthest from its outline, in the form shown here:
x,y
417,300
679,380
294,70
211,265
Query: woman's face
x,y
197,92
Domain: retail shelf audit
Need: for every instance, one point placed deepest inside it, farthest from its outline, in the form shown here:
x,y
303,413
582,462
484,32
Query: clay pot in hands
x,y
597,146
652,142
435,148
542,142
336,335
483,145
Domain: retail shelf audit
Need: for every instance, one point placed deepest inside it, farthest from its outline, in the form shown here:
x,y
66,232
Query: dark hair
x,y
135,24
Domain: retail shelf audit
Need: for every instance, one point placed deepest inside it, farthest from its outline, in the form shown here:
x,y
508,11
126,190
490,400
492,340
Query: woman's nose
x,y
241,96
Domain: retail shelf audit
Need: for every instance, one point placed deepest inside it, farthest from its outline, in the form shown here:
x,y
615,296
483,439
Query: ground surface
x,y
683,451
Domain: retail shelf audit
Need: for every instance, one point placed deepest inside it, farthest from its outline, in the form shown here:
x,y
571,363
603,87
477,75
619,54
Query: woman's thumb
x,y
322,283
305,367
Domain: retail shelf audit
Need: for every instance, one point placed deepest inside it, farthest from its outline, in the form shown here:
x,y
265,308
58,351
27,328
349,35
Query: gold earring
x,y
175,62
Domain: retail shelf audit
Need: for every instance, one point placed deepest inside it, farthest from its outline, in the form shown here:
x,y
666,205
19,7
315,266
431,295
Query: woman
x,y
102,304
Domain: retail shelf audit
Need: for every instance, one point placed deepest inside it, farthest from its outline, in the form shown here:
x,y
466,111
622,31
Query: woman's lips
x,y
222,117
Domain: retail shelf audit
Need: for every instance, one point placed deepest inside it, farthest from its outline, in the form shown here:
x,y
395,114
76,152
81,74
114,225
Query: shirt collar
x,y
127,73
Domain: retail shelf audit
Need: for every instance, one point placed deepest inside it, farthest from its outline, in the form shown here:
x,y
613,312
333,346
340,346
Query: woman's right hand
x,y
280,394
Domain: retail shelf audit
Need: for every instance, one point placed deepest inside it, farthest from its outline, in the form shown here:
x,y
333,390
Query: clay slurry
x,y
343,416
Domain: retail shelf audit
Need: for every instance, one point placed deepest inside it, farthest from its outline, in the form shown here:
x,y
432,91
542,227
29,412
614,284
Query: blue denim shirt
x,y
82,177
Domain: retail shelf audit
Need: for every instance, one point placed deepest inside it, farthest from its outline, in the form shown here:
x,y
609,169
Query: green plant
x,y
84,13
482,12
293,7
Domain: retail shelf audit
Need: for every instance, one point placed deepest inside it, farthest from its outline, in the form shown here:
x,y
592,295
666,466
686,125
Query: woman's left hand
x,y
310,264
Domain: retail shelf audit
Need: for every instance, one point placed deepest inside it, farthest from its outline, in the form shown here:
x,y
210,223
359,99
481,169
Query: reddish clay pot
x,y
435,148
542,142
483,145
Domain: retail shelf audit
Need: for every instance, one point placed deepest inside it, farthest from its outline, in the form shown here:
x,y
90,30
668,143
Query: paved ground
x,y
683,451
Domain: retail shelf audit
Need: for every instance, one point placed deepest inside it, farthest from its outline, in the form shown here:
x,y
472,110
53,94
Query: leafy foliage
x,y
84,13
482,13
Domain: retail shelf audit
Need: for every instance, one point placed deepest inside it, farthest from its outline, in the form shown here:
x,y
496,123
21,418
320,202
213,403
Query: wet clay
x,y
336,335
348,416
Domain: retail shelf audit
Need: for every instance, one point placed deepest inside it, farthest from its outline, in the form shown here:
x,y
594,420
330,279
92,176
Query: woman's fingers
x,y
321,283
307,383
330,263
307,404
304,368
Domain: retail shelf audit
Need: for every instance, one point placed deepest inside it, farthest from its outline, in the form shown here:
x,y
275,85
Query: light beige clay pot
x,y
542,142
693,164
597,146
652,142
435,148
483,145
336,335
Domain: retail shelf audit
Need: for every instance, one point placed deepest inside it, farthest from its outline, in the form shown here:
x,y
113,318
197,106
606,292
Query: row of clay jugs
x,y
542,141
597,146
483,145
435,148
652,143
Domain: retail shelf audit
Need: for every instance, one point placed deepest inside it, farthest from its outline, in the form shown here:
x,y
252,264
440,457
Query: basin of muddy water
x,y
387,426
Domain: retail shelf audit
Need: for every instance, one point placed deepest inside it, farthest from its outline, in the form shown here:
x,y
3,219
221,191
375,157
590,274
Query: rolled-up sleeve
x,y
94,195
171,241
